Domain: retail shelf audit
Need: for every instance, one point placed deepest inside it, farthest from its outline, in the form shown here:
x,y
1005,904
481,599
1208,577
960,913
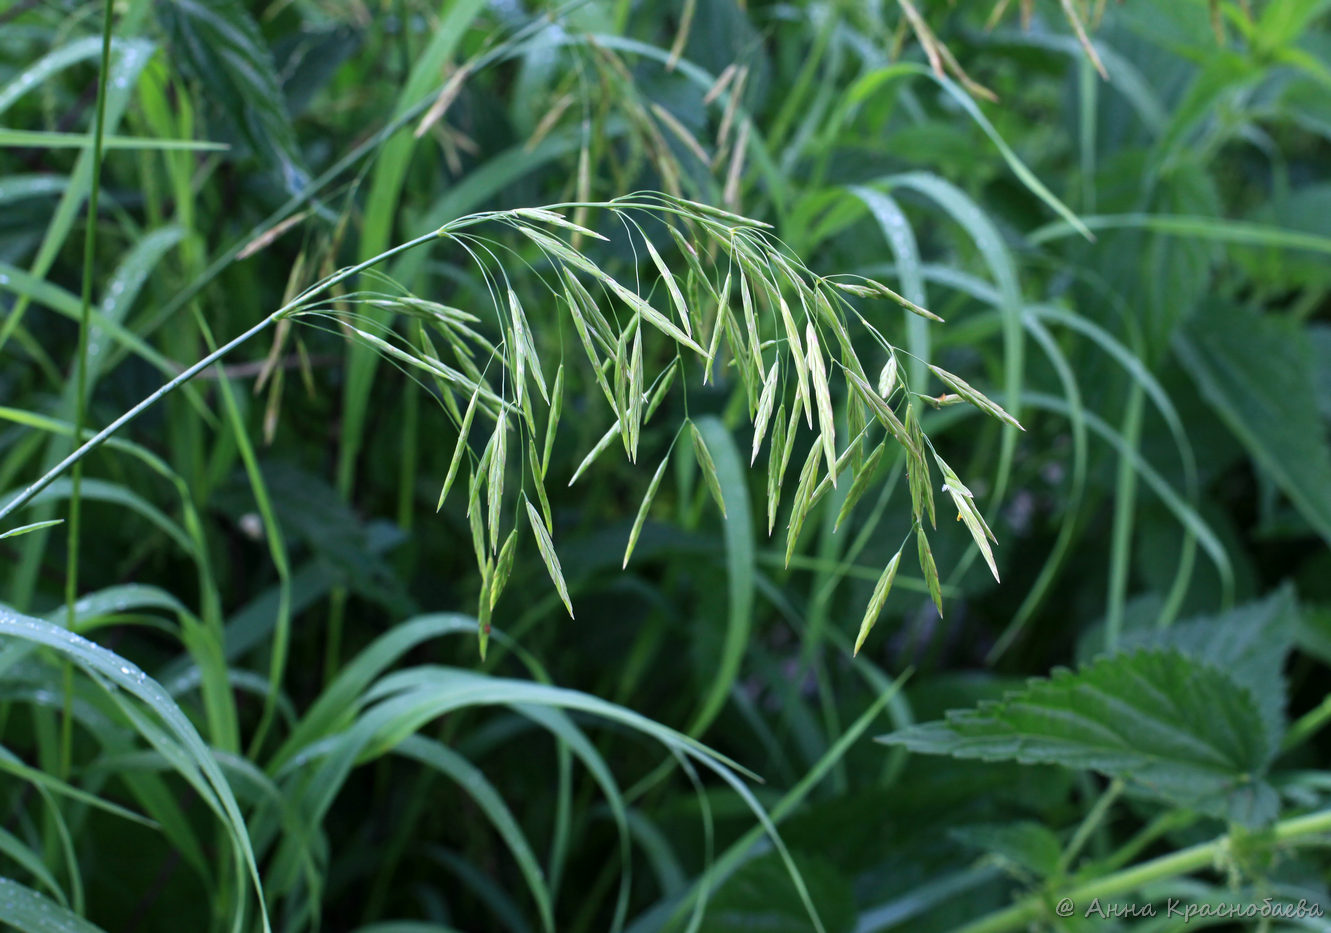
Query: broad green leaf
x,y
1258,373
759,896
1176,728
1026,844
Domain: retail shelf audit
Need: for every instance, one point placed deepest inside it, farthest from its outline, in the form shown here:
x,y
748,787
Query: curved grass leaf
x,y
34,913
737,528
179,742
471,779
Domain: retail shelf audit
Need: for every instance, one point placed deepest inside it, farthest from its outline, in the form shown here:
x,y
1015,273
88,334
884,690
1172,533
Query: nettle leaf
x,y
1026,844
1175,728
759,896
1259,374
1250,643
219,45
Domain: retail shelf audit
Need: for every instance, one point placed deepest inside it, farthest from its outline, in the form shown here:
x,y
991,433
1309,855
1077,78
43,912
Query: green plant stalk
x,y
81,392
189,373
1182,862
1308,725
1125,498
1089,825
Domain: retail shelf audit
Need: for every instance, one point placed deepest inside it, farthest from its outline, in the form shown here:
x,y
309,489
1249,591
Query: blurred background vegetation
x,y
1121,210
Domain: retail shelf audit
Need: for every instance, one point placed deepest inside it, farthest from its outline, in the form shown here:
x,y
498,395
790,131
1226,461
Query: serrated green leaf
x,y
1258,374
1251,643
547,549
220,45
1177,729
1026,844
